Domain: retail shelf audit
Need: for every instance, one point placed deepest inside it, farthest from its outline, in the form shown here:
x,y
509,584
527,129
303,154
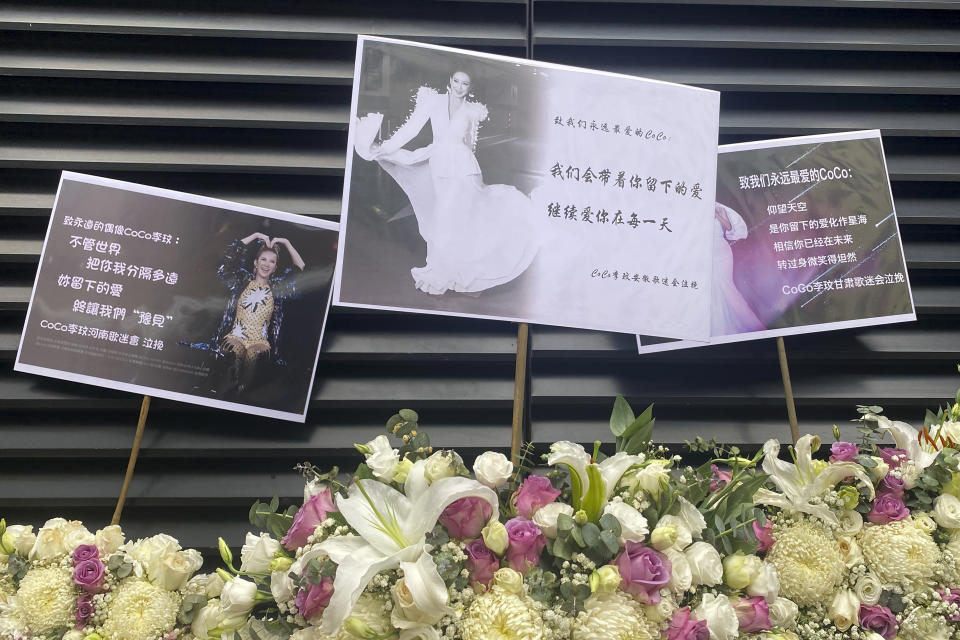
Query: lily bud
x,y
224,574
664,537
225,552
359,629
365,449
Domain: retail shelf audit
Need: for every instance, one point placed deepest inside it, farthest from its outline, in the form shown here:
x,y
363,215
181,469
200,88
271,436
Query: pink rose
x,y
525,542
764,536
89,575
753,614
481,562
313,512
465,517
952,597
535,492
313,600
682,627
843,452
892,485
879,620
85,610
718,479
888,454
86,552
886,509
643,571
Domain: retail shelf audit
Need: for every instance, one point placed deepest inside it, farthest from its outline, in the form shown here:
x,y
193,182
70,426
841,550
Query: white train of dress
x,y
730,312
478,236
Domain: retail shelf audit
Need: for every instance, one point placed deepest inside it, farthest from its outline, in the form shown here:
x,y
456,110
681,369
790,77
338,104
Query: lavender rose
x,y
888,454
643,571
526,541
753,614
313,600
313,512
85,610
464,518
535,492
952,597
891,485
879,620
86,552
89,575
683,627
764,536
843,452
887,508
481,562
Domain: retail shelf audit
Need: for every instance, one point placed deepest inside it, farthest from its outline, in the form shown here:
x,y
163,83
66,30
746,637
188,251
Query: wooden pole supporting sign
x,y
519,391
788,390
132,463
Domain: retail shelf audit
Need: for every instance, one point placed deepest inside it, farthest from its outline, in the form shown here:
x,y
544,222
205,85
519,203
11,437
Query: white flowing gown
x,y
478,236
730,312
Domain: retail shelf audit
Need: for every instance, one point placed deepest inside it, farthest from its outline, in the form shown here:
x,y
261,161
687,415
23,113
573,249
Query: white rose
x,y
692,517
257,553
73,634
214,585
445,463
720,616
844,609
924,522
23,538
783,613
684,537
382,459
652,477
237,597
946,511
109,539
850,552
705,564
55,523
546,517
681,576
48,544
880,471
176,568
281,586
74,536
661,611
633,526
151,551
868,589
766,584
492,469
851,522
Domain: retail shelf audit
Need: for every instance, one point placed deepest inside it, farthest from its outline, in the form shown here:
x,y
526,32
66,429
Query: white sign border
x,y
162,393
811,328
348,171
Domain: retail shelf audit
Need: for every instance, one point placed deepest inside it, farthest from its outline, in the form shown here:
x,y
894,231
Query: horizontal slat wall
x,y
249,104
788,68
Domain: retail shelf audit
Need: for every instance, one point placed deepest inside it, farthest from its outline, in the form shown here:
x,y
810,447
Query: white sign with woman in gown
x,y
538,192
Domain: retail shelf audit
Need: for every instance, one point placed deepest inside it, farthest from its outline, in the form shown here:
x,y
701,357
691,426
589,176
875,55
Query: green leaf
x,y
591,534
621,417
363,472
609,542
576,488
576,534
409,415
593,502
640,437
610,523
641,421
564,523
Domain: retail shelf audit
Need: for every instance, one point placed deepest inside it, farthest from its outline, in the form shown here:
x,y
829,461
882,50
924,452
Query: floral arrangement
x,y
630,545
65,582
867,543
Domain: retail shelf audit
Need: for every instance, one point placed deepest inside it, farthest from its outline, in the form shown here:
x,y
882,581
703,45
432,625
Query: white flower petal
x,y
613,468
425,512
426,586
389,504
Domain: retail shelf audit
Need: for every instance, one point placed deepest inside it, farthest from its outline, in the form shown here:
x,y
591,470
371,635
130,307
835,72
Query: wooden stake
x,y
519,391
132,463
788,390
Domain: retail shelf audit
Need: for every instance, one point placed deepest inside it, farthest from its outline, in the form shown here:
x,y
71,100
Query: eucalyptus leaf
x,y
610,542
591,534
621,417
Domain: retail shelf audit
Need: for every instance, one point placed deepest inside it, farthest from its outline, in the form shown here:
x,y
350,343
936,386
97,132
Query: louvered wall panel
x,y
251,105
248,104
785,69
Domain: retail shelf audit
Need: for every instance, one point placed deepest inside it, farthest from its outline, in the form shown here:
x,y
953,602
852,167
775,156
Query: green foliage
x,y
258,629
405,425
599,543
17,566
267,516
633,434
190,607
542,584
931,481
120,565
574,595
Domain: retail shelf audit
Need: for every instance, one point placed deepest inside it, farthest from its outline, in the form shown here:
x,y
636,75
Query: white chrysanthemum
x,y
921,624
369,610
611,616
899,551
46,599
12,624
808,563
140,610
499,614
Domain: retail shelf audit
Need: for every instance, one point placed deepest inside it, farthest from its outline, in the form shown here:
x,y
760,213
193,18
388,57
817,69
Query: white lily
x,y
922,453
593,484
392,530
800,482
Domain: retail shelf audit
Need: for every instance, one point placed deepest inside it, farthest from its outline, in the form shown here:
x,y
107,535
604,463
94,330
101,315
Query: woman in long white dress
x,y
730,312
478,236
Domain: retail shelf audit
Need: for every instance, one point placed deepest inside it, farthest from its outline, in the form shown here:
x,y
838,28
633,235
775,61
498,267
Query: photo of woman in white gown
x,y
477,236
730,312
